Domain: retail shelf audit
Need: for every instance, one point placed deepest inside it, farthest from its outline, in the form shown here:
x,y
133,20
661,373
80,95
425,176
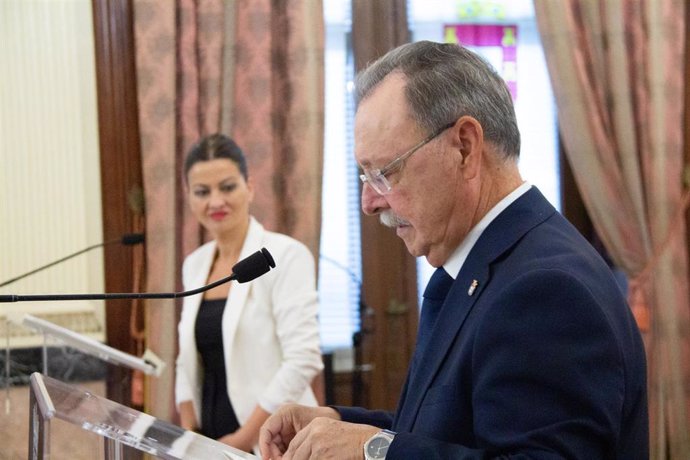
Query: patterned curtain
x,y
617,68
252,69
277,115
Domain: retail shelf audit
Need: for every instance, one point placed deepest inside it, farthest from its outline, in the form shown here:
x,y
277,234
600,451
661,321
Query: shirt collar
x,y
458,257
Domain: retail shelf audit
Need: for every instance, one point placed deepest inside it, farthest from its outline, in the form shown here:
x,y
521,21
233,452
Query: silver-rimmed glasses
x,y
377,177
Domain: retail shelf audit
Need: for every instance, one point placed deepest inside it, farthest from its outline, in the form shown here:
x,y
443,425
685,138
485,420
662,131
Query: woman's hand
x,y
246,437
187,418
239,440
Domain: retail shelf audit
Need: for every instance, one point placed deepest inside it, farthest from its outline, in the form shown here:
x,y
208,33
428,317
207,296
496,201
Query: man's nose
x,y
372,202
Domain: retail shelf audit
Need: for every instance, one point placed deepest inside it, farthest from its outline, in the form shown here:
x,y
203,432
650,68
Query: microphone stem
x,y
5,283
133,295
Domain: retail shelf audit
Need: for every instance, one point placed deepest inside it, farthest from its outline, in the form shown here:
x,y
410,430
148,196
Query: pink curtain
x,y
278,111
249,69
617,69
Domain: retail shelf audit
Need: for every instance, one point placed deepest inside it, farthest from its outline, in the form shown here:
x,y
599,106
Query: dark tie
x,y
434,295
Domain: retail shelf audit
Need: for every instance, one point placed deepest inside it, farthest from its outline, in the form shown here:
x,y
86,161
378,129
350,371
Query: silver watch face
x,y
377,447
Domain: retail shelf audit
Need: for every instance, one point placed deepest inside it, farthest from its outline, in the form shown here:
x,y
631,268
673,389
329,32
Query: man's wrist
x,y
334,412
376,447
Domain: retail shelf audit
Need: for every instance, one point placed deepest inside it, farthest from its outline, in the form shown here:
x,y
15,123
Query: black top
x,y
217,415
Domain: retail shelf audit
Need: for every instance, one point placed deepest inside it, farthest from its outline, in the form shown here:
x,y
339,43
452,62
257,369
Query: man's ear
x,y
468,140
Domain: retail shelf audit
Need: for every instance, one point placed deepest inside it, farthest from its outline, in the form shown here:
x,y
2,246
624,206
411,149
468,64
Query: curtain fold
x,y
155,38
252,70
617,69
277,114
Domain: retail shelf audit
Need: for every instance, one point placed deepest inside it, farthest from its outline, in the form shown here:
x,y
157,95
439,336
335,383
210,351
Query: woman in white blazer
x,y
244,349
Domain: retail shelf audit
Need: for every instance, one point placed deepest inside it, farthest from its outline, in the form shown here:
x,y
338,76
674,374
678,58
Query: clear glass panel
x,y
91,347
124,425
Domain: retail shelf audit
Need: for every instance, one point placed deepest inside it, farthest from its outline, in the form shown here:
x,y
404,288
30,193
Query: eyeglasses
x,y
377,177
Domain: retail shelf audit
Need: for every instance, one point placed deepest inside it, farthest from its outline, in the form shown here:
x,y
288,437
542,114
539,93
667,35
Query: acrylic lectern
x,y
120,426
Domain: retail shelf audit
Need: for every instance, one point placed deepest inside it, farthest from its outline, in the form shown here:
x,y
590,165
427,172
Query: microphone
x,y
128,239
132,239
247,269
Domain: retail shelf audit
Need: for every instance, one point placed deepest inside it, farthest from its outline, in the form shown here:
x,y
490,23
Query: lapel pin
x,y
473,286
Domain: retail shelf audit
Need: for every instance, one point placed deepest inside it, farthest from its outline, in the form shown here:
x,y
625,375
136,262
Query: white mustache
x,y
389,219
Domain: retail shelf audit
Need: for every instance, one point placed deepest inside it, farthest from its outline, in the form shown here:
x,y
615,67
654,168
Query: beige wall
x,y
50,199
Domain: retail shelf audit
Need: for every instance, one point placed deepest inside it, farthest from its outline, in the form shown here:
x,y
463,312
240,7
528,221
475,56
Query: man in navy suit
x,y
527,348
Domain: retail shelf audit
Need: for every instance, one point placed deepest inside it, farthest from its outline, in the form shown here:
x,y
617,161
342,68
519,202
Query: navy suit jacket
x,y
542,360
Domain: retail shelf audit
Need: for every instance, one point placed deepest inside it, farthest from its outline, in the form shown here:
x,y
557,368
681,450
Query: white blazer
x,y
270,329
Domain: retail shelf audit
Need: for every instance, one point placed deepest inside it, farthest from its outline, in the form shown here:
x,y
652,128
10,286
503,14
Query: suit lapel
x,y
448,324
502,233
201,276
239,292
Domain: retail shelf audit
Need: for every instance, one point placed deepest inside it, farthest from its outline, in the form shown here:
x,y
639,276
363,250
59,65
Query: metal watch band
x,y
377,446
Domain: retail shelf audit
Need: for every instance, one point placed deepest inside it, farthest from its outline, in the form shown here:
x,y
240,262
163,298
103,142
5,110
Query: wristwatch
x,y
377,446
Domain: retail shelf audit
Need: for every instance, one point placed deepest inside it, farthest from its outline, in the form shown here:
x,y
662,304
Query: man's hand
x,y
297,433
281,427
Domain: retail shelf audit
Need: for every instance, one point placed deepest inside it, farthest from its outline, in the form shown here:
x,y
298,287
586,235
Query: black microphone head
x,y
253,266
269,257
131,239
